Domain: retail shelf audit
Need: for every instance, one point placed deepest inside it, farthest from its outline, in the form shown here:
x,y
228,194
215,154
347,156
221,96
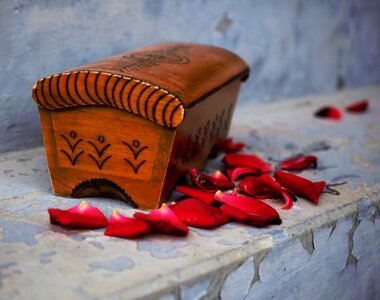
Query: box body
x,y
110,135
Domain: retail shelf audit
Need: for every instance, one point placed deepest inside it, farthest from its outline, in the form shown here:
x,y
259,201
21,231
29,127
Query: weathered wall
x,y
294,47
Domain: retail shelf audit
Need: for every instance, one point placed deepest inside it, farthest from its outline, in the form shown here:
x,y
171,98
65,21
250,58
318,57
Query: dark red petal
x,y
255,209
246,160
235,173
329,112
217,175
195,213
131,229
262,187
300,186
79,216
229,146
219,180
358,106
205,197
164,220
204,182
299,163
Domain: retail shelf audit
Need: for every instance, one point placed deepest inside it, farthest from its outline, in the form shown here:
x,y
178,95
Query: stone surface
x,y
294,47
325,251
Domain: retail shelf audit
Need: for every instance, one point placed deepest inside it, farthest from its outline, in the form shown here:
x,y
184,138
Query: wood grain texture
x,y
110,131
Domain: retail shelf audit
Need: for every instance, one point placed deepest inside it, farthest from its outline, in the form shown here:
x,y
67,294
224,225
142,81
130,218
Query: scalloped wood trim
x,y
84,88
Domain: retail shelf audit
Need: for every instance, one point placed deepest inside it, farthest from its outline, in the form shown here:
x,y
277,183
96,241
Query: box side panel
x,y
205,126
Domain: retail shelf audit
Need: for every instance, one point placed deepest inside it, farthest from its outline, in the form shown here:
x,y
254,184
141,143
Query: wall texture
x,y
294,47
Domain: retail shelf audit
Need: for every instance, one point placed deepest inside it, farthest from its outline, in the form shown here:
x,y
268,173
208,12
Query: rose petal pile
x,y
205,205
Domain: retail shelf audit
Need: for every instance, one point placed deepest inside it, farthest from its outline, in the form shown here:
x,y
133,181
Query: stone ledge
x,y
331,244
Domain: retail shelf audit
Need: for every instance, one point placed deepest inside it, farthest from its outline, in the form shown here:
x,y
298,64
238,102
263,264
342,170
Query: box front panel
x,y
105,141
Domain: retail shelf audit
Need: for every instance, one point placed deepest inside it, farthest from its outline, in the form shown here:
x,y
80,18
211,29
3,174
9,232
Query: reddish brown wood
x,y
129,126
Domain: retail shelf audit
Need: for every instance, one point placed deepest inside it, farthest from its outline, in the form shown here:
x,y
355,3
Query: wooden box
x,y
128,126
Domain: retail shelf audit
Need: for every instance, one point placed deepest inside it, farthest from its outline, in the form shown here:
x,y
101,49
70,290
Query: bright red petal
x,y
300,186
229,146
235,173
329,112
358,106
234,213
246,160
79,216
195,213
164,220
117,218
288,199
205,197
255,209
129,229
299,163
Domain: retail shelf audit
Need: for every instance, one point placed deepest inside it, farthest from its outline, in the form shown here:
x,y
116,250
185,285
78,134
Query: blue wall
x,y
294,47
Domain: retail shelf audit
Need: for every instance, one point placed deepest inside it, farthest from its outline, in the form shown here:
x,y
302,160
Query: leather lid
x,y
158,82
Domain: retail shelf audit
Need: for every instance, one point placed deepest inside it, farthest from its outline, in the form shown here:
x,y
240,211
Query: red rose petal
x,y
117,218
130,228
264,187
256,210
246,160
261,187
79,216
229,146
299,163
329,112
233,212
235,173
203,196
358,106
204,182
164,220
195,213
300,186
219,180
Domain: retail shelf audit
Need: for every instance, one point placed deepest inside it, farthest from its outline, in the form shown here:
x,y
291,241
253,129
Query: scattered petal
x,y
204,182
117,218
264,187
164,220
358,106
300,186
203,196
129,228
257,211
234,213
246,160
79,216
329,112
236,173
195,213
219,180
299,163
229,146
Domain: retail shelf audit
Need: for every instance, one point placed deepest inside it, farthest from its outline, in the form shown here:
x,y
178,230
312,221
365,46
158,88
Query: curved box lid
x,y
158,82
